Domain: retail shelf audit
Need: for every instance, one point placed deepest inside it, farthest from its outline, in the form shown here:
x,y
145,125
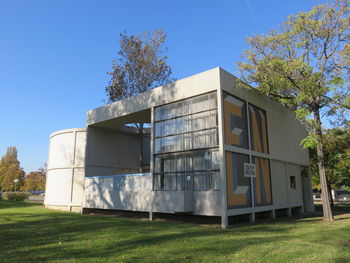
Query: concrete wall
x,y
131,192
111,152
65,172
282,193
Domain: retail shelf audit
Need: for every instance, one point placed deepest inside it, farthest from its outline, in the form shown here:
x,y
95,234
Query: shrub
x,y
15,196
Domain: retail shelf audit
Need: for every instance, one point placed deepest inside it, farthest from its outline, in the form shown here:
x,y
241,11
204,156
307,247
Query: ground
x,y
31,233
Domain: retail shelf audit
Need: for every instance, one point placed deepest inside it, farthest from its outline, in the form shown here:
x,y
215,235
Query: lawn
x,y
30,233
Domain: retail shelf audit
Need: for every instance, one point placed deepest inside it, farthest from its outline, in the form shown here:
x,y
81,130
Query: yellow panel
x,y
266,169
229,109
265,176
232,198
257,181
264,129
256,139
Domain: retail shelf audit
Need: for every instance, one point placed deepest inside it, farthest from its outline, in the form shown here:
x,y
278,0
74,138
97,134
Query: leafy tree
x,y
141,66
305,67
34,181
10,170
336,145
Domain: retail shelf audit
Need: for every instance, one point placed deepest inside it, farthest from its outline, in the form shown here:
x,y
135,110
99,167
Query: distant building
x,y
211,148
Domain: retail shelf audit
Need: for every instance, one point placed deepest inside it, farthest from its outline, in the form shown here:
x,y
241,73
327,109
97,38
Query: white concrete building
x,y
210,148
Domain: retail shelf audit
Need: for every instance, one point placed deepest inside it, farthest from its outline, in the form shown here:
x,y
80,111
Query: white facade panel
x,y
61,150
58,187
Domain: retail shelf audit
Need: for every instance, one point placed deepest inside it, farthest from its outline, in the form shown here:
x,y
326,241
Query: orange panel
x,y
264,130
232,198
229,109
256,139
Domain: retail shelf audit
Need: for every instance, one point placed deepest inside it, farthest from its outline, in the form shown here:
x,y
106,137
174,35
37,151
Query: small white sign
x,y
249,170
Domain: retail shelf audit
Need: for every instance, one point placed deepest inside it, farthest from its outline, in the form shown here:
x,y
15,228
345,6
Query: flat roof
x,y
138,107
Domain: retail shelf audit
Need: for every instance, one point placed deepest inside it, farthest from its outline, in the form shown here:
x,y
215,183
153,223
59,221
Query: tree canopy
x,y
35,181
305,66
141,65
10,170
337,159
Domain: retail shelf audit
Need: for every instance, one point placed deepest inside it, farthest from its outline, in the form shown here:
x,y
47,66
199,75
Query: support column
x,y
289,212
224,222
151,215
273,214
252,218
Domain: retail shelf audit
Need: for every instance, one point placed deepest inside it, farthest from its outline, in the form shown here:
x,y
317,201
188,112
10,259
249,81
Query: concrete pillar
x,y
151,216
252,218
273,214
224,222
289,212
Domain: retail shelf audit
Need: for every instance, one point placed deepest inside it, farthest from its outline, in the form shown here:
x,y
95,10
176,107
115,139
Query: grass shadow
x,y
6,204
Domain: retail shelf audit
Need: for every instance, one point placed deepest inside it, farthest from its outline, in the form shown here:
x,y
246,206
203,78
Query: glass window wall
x,y
186,142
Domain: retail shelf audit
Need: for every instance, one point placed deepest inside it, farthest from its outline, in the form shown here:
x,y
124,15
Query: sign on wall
x,y
249,170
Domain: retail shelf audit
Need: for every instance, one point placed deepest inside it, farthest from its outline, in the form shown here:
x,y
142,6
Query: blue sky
x,y
54,54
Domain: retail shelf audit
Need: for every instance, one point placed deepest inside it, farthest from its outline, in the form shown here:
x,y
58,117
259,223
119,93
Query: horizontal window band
x,y
185,115
186,151
161,190
181,133
214,149
190,171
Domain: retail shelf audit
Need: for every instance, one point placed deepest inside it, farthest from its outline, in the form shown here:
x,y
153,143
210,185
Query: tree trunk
x,y
330,194
327,211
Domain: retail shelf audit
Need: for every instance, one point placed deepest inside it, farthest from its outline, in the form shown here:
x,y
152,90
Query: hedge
x,y
15,196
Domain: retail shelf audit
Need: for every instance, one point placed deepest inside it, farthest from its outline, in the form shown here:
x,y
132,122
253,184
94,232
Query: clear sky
x,y
54,55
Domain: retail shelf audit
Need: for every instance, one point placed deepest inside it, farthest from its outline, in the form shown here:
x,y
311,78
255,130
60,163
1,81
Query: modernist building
x,y
211,147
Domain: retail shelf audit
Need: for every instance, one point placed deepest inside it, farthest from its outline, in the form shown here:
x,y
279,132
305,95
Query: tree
x,y
305,67
336,145
141,66
34,181
10,170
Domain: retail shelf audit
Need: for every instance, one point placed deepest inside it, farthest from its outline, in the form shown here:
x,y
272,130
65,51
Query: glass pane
x,y
215,181
215,160
158,113
158,145
169,182
157,164
157,182
199,181
169,127
198,161
212,100
199,103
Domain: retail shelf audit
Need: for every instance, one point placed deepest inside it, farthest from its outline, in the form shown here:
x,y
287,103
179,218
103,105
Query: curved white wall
x,y
65,172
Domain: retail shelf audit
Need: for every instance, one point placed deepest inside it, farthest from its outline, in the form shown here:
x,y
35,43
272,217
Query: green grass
x,y
30,233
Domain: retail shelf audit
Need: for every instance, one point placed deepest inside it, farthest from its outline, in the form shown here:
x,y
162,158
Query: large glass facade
x,y
186,143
